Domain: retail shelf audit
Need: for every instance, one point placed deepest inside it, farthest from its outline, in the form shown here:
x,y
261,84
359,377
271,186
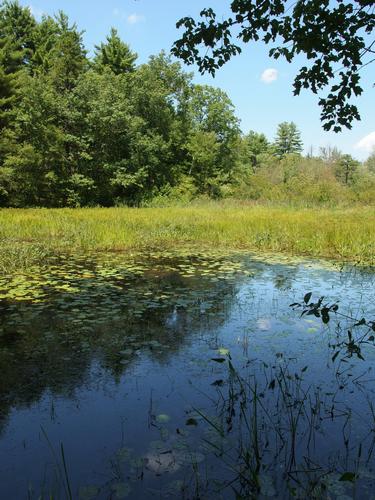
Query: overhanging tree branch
x,y
331,35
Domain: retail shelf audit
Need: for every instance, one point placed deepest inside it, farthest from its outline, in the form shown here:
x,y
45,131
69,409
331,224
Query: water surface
x,y
115,378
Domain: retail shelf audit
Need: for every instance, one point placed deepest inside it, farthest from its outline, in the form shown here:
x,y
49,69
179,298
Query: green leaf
x,y
223,352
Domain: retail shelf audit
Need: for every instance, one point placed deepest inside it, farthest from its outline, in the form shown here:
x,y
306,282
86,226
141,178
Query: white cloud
x,y
121,14
37,13
367,143
269,75
130,19
135,18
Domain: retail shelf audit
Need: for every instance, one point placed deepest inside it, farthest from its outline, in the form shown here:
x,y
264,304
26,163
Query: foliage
x,y
17,24
67,56
115,55
332,35
255,147
204,152
288,139
370,162
79,132
299,181
356,338
346,168
100,132
10,76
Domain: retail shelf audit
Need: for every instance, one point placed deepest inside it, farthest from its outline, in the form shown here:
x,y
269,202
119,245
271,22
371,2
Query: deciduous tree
x,y
370,162
333,35
255,146
345,169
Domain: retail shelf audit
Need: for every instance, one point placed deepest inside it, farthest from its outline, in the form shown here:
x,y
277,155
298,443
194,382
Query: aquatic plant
x,y
31,237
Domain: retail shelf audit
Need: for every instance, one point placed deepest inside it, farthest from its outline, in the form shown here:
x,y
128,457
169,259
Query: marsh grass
x,y
29,236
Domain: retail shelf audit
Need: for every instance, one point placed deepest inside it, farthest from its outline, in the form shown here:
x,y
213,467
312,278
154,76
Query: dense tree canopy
x,y
334,37
76,131
255,146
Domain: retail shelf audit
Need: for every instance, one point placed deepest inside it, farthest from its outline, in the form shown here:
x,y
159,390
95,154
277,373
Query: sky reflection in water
x,y
110,355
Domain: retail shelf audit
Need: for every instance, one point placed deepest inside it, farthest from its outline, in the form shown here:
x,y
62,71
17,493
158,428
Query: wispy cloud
x,y
36,12
120,14
367,143
269,75
135,18
129,18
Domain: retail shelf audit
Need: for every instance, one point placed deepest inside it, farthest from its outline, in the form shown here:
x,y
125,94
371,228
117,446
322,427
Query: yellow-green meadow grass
x,y
29,236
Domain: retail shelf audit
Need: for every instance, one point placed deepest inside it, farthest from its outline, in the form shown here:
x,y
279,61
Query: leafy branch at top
x,y
332,35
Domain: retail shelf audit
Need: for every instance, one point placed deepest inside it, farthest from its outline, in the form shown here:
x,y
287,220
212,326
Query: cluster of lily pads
x,y
79,274
87,291
77,307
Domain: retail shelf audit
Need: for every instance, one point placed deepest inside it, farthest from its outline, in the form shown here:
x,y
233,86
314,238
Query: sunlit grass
x,y
28,236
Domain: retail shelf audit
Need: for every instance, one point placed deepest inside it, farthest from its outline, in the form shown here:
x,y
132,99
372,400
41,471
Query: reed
x,y
28,236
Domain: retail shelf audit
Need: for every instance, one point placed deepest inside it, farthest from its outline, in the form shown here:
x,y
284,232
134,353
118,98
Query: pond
x,y
185,374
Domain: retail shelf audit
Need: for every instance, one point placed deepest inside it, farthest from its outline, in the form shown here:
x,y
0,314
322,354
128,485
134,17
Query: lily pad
x,y
121,490
163,418
223,352
88,492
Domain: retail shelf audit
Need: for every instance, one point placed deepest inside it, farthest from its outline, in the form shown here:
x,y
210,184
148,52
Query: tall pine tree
x,y
68,56
288,139
115,55
17,25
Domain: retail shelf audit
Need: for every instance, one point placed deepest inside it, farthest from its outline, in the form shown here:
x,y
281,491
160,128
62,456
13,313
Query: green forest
x,y
105,131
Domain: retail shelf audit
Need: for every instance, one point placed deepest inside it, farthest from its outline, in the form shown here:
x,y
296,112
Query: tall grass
x,y
28,236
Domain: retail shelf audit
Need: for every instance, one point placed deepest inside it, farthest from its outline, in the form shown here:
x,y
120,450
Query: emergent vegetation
x,y
30,236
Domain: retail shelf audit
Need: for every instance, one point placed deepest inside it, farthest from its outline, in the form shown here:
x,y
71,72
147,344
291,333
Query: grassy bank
x,y
29,236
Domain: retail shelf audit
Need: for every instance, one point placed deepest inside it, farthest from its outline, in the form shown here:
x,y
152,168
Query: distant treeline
x,y
80,131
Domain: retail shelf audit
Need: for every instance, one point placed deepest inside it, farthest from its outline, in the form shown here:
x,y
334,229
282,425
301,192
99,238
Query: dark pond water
x,y
184,375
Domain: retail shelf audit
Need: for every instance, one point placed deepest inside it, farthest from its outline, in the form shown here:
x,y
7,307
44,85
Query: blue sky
x,y
261,103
